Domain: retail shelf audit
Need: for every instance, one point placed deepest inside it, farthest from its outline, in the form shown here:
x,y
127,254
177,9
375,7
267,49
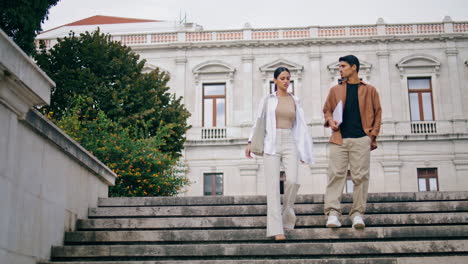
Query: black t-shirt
x,y
352,126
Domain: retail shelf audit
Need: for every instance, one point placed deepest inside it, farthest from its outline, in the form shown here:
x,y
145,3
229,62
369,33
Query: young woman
x,y
287,140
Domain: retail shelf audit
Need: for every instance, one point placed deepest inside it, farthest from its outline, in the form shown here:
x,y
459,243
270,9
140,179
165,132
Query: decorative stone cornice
x,y
150,67
391,166
383,53
315,56
213,67
364,69
301,42
418,61
248,169
320,167
461,164
181,60
294,68
247,58
451,52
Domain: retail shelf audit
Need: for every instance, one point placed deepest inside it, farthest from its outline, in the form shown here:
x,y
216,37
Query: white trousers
x,y
286,152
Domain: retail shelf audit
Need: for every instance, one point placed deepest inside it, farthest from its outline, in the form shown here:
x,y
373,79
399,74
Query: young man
x,y
351,140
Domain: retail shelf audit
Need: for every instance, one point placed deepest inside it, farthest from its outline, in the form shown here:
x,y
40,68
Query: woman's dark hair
x,y
351,60
278,71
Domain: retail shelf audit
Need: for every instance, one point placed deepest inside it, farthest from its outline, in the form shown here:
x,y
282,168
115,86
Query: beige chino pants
x,y
356,153
286,152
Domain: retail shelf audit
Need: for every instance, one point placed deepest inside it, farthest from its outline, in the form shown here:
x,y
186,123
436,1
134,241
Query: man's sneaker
x,y
358,222
333,221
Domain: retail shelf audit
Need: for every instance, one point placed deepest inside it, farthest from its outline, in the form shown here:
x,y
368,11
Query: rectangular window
x,y
282,180
428,180
420,99
349,183
212,184
290,88
214,105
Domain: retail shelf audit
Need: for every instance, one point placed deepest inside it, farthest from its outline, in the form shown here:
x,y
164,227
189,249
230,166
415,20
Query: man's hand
x,y
248,152
373,144
333,124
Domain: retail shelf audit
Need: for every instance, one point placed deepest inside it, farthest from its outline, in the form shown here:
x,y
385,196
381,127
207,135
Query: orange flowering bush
x,y
142,169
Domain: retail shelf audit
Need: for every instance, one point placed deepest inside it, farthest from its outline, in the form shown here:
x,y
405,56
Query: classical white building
x,y
420,71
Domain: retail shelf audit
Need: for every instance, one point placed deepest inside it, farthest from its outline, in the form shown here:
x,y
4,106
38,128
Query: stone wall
x,y
47,180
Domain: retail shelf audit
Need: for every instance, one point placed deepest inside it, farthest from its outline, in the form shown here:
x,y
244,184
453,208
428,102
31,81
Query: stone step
x,y
301,199
260,221
282,250
252,210
233,235
399,260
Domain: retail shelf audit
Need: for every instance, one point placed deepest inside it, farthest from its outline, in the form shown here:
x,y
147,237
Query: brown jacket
x,y
369,108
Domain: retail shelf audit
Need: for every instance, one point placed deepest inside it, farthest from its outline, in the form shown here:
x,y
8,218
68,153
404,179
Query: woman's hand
x,y
333,124
248,152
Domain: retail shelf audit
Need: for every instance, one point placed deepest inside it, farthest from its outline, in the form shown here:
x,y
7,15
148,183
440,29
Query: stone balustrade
x,y
312,32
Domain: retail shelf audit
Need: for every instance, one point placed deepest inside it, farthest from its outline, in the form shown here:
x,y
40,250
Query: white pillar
x,y
391,165
313,110
246,110
455,87
385,93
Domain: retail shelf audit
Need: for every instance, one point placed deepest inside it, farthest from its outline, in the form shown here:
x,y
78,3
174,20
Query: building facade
x,y
420,71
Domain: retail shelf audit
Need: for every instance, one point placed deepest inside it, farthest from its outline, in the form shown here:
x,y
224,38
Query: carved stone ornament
x,y
214,67
418,61
365,69
268,69
149,67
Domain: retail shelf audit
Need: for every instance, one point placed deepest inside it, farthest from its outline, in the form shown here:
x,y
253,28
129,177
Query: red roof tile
x,y
101,20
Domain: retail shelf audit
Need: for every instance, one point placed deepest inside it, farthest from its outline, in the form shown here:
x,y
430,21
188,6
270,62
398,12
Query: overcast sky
x,y
233,14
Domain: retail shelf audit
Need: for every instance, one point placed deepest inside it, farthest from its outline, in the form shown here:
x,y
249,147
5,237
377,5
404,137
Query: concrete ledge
x,y
260,221
259,249
50,131
303,234
268,261
25,84
251,210
399,260
301,199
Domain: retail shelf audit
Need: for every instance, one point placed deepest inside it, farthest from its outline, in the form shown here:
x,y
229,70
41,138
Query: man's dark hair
x,y
351,60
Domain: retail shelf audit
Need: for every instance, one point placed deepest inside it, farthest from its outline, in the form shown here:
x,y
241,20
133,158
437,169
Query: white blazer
x,y
300,130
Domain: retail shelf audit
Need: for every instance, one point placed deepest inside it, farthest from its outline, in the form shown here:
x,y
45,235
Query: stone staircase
x,y
403,228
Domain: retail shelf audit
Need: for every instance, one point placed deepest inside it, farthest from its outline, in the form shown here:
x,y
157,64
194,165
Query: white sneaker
x,y
333,221
358,222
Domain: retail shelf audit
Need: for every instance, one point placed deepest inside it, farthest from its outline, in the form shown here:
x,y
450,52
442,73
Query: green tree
x,y
21,20
126,118
142,168
109,76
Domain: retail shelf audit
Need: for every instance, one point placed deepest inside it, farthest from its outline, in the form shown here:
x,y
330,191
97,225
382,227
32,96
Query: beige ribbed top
x,y
285,112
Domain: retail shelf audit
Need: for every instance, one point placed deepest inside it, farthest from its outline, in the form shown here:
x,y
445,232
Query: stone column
x,y
460,162
181,87
180,77
455,87
245,111
248,172
385,92
392,182
313,110
391,165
